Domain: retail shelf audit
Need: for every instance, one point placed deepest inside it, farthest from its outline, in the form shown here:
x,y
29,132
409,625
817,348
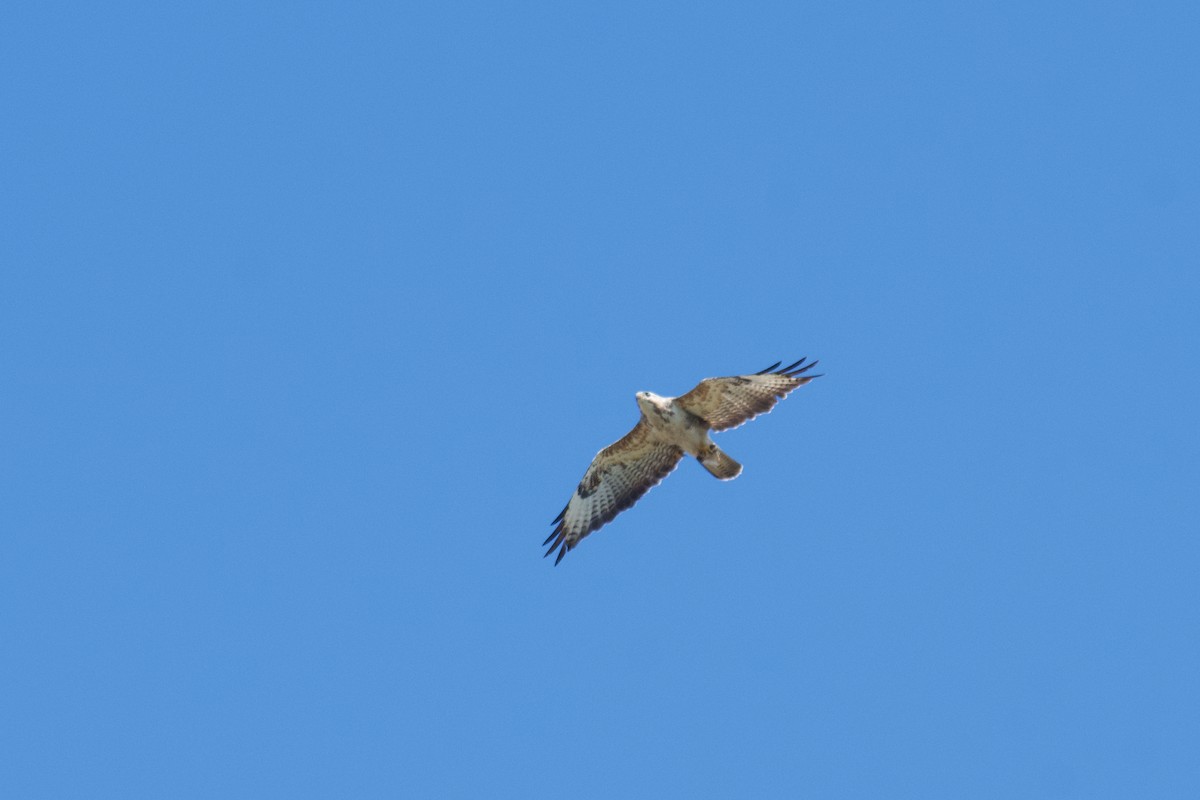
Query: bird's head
x,y
647,401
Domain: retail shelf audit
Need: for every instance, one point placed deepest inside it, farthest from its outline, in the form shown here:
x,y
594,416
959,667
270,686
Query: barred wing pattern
x,y
725,403
619,475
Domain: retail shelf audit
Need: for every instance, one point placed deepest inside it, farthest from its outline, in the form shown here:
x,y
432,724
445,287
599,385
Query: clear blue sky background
x,y
313,315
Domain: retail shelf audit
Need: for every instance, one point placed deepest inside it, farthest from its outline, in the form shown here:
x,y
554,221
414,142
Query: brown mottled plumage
x,y
669,427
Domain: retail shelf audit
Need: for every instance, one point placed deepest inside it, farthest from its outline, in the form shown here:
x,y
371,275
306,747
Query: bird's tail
x,y
719,464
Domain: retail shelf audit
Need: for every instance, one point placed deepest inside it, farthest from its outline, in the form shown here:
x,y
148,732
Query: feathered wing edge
x,y
791,370
715,389
558,533
794,371
558,538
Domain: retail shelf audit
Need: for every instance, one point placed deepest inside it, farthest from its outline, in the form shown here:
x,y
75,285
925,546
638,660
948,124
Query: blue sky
x,y
313,316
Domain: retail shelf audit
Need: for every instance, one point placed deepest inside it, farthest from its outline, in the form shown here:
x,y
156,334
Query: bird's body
x,y
671,423
669,427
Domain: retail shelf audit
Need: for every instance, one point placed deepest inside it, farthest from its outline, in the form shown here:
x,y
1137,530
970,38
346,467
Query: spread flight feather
x,y
668,428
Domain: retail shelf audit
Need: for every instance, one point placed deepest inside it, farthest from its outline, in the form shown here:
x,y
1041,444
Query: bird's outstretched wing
x,y
728,402
619,475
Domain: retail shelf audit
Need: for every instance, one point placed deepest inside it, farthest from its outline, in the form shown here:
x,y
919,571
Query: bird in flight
x,y
669,427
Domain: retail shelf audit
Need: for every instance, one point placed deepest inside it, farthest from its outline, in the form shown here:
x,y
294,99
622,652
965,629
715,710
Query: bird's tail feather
x,y
719,464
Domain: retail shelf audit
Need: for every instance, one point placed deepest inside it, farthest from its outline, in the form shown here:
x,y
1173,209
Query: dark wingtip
x,y
561,514
791,373
562,552
791,367
768,369
552,536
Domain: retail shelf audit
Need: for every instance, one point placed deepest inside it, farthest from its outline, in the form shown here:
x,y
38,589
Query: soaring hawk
x,y
669,427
